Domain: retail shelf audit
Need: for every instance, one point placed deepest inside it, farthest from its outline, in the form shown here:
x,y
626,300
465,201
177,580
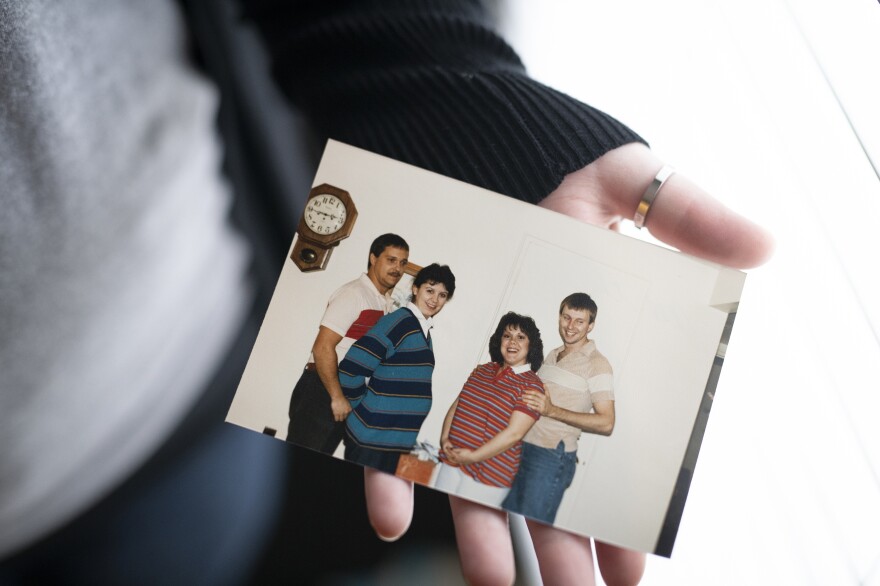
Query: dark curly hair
x,y
526,325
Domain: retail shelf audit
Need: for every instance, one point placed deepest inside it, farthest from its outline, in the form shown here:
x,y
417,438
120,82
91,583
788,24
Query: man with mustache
x,y
318,407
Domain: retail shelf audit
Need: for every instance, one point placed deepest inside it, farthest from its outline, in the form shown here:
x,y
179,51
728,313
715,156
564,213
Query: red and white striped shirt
x,y
488,399
352,310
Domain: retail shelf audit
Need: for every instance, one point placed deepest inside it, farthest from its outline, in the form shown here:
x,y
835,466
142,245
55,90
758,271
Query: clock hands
x,y
331,216
321,230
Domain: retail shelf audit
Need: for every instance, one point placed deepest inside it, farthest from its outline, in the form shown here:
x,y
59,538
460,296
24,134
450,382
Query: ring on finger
x,y
651,194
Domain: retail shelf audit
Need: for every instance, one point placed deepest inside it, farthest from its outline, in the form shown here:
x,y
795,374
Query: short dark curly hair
x,y
437,274
526,325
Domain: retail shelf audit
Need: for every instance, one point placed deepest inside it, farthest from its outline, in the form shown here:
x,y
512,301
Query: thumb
x,y
683,215
389,503
688,218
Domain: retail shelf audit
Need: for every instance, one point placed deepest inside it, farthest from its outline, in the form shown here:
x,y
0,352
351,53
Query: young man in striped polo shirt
x,y
579,397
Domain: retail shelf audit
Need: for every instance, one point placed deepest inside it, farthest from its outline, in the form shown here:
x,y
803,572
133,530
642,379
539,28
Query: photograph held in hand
x,y
528,362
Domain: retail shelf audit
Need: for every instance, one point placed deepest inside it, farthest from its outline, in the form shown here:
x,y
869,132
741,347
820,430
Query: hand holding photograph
x,y
528,361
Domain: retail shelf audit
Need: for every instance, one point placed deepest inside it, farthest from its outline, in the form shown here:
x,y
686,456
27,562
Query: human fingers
x,y
692,221
341,408
536,402
683,215
389,503
464,456
564,558
457,455
619,566
484,546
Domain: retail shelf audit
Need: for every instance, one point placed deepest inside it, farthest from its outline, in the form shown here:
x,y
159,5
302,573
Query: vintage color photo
x,y
492,349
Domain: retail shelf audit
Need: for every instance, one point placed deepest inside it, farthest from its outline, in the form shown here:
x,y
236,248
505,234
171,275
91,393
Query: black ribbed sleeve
x,y
432,84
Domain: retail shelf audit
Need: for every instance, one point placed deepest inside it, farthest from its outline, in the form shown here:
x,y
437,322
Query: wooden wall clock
x,y
327,219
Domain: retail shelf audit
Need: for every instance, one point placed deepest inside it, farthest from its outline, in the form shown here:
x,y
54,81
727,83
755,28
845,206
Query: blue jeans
x,y
542,479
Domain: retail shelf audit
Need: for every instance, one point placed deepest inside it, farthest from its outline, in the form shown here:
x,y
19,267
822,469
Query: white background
x,y
772,106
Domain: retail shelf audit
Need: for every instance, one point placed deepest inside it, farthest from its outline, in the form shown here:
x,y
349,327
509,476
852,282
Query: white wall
x,y
770,105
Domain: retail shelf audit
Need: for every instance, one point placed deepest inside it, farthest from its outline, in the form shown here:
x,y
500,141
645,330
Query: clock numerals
x,y
327,219
325,214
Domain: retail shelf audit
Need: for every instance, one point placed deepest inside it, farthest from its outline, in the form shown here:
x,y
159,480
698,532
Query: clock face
x,y
325,214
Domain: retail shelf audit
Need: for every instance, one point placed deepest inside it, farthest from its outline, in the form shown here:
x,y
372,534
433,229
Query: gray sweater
x,y
121,282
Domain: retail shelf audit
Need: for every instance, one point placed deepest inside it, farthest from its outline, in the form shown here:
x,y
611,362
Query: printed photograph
x,y
491,349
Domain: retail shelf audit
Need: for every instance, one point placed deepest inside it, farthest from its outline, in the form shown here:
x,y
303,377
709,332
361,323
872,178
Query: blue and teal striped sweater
x,y
389,409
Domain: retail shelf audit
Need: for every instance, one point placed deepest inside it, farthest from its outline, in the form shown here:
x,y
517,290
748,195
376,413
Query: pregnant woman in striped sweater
x,y
483,430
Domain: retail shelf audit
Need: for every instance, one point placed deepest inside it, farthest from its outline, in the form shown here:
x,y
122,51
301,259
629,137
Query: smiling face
x,y
387,268
430,298
514,346
575,326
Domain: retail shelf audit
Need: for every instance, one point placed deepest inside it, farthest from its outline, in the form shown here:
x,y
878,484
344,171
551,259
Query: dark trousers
x,y
379,459
311,418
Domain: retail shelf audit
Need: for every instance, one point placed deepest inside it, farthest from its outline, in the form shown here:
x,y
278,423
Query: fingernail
x,y
390,539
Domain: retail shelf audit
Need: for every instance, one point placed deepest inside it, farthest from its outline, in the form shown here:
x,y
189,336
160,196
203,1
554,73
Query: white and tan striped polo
x,y
574,383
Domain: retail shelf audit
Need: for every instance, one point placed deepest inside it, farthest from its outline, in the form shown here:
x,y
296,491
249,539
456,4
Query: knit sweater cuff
x,y
440,91
501,131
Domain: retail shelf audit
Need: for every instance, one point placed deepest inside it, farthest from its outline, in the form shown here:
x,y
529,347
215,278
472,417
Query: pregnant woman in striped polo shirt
x,y
483,430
